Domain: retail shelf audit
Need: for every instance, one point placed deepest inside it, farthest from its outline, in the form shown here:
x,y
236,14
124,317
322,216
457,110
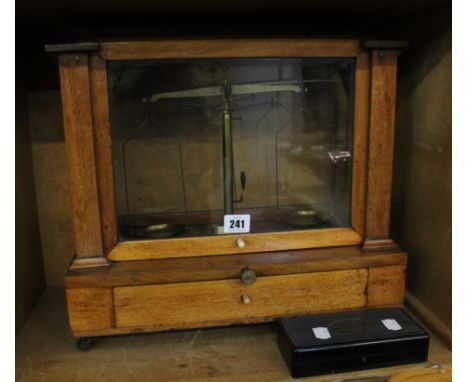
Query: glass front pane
x,y
194,140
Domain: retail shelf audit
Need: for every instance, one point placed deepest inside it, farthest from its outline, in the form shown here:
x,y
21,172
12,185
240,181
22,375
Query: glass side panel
x,y
193,140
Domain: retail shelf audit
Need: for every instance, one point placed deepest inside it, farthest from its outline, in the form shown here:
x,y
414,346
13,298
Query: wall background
x,y
51,181
422,203
421,216
29,280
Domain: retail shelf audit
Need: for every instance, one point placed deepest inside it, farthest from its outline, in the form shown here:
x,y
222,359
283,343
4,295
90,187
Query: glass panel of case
x,y
194,140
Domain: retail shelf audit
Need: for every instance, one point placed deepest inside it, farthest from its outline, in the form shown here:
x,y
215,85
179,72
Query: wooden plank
x,y
74,47
88,262
227,48
229,267
227,244
103,154
386,286
385,44
78,124
427,375
381,136
361,128
90,309
194,303
181,325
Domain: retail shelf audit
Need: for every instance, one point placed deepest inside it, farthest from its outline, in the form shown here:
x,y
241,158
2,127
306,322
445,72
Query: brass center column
x,y
227,151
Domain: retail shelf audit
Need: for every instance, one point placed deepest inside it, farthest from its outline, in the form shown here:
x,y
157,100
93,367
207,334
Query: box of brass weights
x,y
357,340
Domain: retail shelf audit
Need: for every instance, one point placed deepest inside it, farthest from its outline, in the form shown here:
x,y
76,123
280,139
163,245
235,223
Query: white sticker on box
x,y
236,223
391,324
321,333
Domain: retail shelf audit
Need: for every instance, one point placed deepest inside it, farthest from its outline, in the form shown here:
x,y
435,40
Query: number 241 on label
x,y
236,223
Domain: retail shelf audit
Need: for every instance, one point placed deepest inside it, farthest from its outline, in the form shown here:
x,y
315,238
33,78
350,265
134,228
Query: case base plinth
x,y
197,292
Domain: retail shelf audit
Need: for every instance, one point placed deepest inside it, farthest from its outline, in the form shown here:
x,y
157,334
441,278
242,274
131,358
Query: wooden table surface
x,y
46,352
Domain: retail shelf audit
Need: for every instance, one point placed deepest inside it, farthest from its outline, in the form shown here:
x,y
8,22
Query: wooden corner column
x,y
381,137
79,141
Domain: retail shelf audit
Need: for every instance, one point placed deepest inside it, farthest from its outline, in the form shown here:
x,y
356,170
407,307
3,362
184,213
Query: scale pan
x,y
157,230
303,218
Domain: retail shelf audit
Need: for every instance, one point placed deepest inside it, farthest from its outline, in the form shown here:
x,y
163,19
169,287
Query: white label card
x,y
236,223
392,324
321,333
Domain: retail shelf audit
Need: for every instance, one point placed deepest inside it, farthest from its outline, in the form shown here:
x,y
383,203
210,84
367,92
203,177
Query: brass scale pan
x,y
156,231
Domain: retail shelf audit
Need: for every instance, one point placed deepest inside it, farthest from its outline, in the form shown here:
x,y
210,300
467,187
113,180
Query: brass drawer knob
x,y
248,276
241,243
245,299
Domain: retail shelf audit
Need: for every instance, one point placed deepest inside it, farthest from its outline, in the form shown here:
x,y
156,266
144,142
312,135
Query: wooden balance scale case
x,y
117,287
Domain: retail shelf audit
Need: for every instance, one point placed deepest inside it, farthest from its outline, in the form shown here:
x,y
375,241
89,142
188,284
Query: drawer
x,y
229,301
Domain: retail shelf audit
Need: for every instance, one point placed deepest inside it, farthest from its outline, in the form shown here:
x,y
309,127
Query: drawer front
x,y
201,303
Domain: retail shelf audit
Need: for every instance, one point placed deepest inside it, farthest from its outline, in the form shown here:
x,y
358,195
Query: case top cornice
x,y
72,48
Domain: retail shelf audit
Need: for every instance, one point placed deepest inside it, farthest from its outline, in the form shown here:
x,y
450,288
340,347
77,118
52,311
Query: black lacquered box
x,y
340,342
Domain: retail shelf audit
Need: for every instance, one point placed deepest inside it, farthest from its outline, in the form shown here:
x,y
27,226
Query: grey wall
x,y
421,213
29,274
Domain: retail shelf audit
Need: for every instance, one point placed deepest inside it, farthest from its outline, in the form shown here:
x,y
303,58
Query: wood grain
x,y
181,325
227,244
381,136
194,303
361,128
90,309
78,125
88,262
103,154
373,245
229,267
386,286
227,48
428,375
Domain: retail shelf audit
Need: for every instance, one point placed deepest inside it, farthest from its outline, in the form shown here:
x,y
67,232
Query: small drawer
x,y
229,301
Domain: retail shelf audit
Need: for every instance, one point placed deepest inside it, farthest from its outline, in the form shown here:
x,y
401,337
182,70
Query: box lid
x,y
349,327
